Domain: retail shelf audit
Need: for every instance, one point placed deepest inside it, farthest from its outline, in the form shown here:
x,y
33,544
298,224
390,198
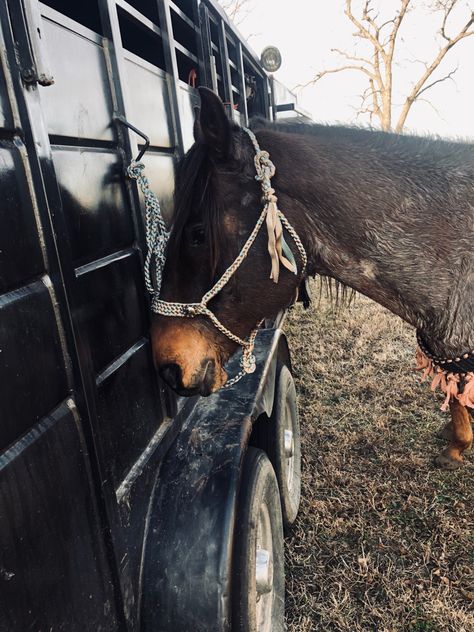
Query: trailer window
x,y
141,41
184,35
148,8
216,52
254,87
85,12
186,6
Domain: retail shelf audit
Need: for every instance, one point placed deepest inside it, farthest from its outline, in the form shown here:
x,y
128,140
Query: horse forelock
x,y
195,200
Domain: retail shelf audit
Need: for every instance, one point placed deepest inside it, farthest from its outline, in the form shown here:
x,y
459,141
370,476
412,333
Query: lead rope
x,y
157,237
157,234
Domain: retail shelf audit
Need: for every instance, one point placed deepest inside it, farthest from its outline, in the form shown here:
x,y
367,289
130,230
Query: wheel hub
x,y
263,574
289,448
289,443
264,571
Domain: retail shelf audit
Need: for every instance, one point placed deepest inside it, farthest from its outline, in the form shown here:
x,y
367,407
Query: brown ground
x,y
384,541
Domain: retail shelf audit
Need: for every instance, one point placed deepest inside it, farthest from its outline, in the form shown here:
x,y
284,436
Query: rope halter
x,y
157,237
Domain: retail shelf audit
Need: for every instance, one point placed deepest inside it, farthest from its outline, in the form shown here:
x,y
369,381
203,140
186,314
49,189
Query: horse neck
x,y
374,214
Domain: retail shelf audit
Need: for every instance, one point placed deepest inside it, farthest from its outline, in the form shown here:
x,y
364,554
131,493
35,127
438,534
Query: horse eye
x,y
197,235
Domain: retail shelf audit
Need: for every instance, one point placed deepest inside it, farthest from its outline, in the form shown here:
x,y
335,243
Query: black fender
x,y
187,561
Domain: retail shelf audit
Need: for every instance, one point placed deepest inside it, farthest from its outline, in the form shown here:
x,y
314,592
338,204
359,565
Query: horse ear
x,y
214,125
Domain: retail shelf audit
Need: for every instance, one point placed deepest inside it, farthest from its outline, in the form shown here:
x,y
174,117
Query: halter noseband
x,y
157,237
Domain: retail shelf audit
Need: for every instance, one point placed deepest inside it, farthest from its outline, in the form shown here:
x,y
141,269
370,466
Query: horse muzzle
x,y
204,381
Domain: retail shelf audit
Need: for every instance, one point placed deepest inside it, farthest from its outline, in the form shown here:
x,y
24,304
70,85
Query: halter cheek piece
x,y
157,237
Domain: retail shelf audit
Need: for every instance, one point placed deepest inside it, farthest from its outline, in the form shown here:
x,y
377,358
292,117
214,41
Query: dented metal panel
x,y
32,368
94,201
53,568
20,247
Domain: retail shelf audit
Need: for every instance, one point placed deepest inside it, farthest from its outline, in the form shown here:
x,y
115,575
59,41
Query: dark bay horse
x,y
390,216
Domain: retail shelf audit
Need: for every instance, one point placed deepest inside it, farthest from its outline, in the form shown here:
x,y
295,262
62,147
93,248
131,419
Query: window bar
x,y
209,78
242,86
203,79
226,76
116,71
138,17
116,75
172,69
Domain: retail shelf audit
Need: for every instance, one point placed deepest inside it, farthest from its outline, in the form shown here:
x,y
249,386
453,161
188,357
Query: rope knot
x,y
135,170
269,196
264,167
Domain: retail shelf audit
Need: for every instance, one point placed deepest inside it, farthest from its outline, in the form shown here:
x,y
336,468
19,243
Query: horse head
x,y
218,203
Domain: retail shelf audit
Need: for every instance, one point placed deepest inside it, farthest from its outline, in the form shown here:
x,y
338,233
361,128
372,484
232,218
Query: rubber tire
x,y
258,485
270,437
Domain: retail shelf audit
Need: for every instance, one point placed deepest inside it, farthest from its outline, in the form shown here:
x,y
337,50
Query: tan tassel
x,y
275,239
272,220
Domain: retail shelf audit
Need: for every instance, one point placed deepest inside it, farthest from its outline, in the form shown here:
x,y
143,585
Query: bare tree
x,y
237,10
381,37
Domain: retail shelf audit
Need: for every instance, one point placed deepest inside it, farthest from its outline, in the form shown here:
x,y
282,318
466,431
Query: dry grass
x,y
384,541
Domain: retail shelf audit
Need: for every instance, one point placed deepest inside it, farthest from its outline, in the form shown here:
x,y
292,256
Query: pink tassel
x,y
439,380
448,383
452,389
466,398
423,364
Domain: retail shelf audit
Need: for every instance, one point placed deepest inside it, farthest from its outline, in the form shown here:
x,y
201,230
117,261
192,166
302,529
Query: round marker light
x,y
270,58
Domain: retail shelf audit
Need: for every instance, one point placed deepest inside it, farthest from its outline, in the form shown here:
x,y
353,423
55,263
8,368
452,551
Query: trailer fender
x,y
187,558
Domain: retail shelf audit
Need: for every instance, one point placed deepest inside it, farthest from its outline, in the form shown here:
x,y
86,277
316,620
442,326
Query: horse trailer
x,y
122,506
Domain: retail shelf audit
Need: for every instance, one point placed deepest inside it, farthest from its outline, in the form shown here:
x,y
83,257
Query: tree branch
x,y
380,64
352,57
235,9
447,11
396,27
433,83
363,32
331,71
418,88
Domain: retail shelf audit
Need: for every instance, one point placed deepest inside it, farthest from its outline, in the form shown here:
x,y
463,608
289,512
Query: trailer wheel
x,y
258,581
280,438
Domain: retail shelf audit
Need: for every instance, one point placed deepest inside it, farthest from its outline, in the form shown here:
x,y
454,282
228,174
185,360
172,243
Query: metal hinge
x,y
39,71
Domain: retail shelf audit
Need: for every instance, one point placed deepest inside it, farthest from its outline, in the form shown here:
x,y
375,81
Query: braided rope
x,y
157,236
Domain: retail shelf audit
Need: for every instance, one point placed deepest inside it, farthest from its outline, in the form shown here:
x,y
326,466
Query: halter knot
x,y
263,165
278,249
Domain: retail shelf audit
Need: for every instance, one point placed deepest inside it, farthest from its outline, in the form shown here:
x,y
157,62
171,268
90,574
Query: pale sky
x,y
306,30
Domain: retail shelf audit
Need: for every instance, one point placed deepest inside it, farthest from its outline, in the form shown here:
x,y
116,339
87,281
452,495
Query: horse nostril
x,y
171,373
208,378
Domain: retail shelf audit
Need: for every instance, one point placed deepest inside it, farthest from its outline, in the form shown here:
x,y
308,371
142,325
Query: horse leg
x,y
446,432
459,432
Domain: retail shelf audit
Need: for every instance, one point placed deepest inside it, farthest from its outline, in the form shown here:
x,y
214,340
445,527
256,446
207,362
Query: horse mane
x,y
195,199
451,151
